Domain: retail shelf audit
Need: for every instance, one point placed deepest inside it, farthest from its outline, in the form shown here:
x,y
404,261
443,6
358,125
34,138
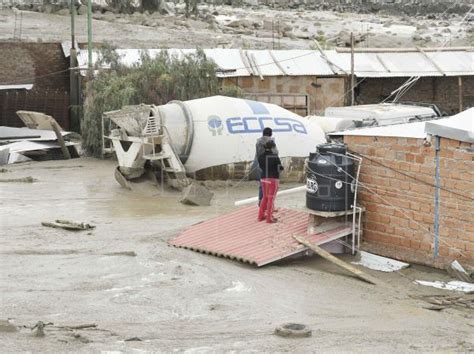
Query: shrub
x,y
154,80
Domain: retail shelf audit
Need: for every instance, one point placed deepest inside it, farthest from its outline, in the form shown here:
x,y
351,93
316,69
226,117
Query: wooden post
x,y
328,256
460,90
64,149
352,70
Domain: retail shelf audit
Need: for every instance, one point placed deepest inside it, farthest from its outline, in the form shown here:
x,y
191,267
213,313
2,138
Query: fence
x,y
53,103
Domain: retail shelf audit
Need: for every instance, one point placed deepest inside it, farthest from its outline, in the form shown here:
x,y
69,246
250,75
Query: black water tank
x,y
329,186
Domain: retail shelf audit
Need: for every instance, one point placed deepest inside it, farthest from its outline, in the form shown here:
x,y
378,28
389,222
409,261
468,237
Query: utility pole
x,y
89,36
352,71
278,29
73,82
72,10
273,34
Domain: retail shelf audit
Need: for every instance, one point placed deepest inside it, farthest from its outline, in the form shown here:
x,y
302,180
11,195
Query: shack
x,y
305,82
308,81
417,184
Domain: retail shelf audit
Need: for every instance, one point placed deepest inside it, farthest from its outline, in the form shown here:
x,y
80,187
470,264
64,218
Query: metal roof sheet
x,y
302,62
406,130
238,235
236,62
457,127
404,64
379,111
11,134
16,87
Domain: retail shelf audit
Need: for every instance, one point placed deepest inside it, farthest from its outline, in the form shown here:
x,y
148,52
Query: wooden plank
x,y
61,142
431,61
328,256
330,63
326,214
277,63
82,326
382,63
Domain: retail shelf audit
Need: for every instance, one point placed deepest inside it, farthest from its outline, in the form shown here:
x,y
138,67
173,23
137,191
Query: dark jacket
x,y
260,146
270,164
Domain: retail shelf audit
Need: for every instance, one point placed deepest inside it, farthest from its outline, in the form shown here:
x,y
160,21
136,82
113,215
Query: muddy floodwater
x,y
144,295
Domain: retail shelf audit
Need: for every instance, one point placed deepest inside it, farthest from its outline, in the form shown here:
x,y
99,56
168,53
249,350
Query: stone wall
x,y
399,221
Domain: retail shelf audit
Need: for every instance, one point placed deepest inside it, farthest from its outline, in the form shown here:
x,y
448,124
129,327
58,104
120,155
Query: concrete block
x,y
196,194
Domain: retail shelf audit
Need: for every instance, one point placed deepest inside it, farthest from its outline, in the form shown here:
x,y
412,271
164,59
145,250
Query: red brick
x,y
425,246
405,242
443,251
469,246
420,159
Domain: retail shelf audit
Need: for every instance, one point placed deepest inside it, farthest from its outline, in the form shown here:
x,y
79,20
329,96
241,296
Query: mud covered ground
x,y
125,278
256,27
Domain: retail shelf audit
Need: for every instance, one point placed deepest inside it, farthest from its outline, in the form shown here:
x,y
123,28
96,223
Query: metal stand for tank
x,y
323,221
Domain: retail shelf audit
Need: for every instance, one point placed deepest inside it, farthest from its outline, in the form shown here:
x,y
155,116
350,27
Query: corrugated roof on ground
x,y
238,235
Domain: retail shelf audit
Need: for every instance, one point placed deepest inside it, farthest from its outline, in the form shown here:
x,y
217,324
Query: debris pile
x,y
42,139
68,225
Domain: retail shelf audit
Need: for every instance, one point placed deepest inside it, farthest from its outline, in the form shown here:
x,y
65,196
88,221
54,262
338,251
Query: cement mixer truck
x,y
207,138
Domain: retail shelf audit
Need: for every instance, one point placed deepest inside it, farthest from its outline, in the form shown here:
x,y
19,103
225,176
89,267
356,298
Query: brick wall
x,y
326,92
26,63
40,64
399,221
442,91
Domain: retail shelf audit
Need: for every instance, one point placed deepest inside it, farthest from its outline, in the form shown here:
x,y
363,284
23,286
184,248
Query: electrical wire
x,y
363,185
18,81
407,85
412,177
393,190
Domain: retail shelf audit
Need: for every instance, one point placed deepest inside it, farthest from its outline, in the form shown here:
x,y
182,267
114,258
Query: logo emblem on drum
x,y
215,126
312,184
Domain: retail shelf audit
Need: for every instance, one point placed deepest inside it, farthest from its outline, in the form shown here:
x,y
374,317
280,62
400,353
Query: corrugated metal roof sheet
x,y
407,63
237,63
457,127
406,130
238,235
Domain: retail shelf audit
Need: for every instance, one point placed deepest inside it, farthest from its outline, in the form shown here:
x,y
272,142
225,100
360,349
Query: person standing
x,y
259,149
270,165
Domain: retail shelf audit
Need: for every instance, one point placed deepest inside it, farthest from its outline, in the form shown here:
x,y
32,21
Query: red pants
x,y
270,188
